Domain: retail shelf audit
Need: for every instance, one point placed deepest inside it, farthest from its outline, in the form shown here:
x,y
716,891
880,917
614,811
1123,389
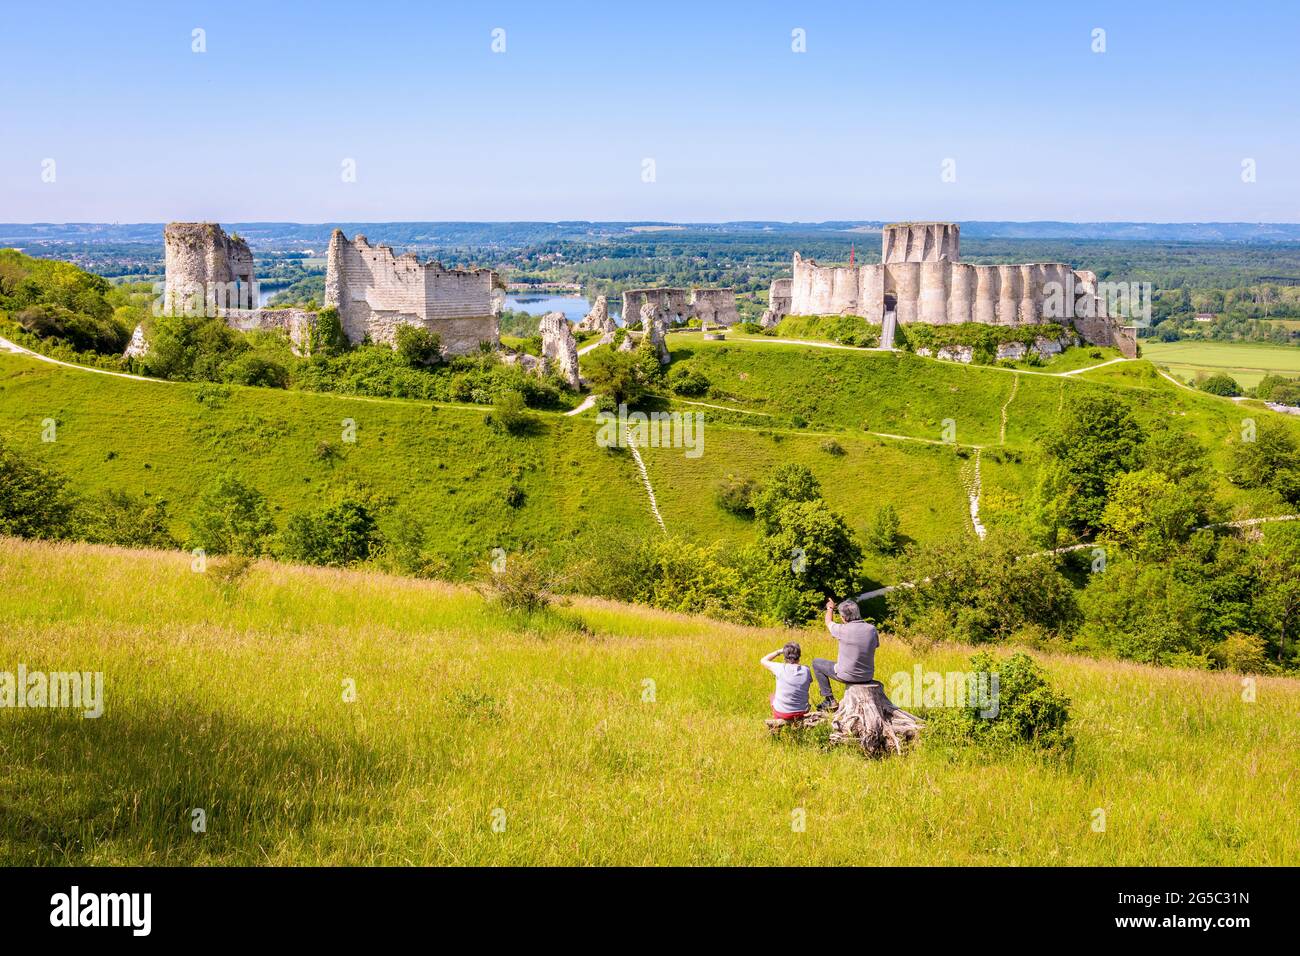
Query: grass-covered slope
x,y
444,464
636,741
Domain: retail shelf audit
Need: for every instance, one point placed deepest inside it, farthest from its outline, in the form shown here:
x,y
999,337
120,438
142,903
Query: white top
x,y
792,683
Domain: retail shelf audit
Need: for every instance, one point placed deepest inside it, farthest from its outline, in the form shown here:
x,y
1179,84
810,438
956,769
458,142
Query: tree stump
x,y
810,719
867,716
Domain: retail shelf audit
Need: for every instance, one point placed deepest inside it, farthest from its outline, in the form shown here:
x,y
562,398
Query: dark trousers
x,y
825,671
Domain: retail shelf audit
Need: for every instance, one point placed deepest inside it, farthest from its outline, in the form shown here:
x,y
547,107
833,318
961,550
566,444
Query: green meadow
x,y
595,734
1247,362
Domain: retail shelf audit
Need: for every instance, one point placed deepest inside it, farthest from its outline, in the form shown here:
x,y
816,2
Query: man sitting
x,y
856,662
790,702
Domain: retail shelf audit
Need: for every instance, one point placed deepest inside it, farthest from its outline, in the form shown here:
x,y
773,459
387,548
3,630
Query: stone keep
x,y
207,271
559,347
211,273
920,278
376,291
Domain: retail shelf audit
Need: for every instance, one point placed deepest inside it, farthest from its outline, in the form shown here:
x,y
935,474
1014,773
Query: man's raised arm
x,y
830,616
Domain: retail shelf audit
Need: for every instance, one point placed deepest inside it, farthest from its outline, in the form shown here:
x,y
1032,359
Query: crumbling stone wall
x,y
298,324
375,291
207,271
672,306
714,306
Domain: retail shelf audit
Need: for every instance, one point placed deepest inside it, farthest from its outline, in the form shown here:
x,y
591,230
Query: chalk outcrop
x,y
598,319
560,348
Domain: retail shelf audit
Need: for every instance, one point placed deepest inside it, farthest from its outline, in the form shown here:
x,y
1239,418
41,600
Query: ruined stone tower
x,y
208,272
376,291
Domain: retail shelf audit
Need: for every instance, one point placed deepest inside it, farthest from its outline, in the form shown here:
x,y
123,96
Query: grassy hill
x,y
231,700
443,463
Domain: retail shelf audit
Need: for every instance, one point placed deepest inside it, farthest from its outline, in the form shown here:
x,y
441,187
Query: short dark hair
x,y
849,611
791,652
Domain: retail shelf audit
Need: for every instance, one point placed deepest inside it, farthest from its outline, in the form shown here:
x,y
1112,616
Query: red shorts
x,y
780,716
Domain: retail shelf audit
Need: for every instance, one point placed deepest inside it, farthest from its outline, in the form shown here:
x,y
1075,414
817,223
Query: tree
x,y
232,518
1149,514
982,589
34,500
1097,439
882,535
1271,460
1221,384
616,375
342,533
789,483
812,551
130,521
510,412
1278,602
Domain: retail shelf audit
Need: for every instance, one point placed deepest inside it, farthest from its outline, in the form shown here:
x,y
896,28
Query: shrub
x,y
232,518
736,495
749,328
253,369
327,337
1221,384
685,381
882,533
127,520
85,333
34,501
1028,710
832,447
342,533
418,346
522,582
510,413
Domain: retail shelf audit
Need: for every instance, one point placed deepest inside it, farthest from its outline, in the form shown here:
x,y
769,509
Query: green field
x,y
1247,362
599,734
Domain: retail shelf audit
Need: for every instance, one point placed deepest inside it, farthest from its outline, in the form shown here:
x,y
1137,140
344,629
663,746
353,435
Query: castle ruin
x,y
920,278
211,273
676,306
376,291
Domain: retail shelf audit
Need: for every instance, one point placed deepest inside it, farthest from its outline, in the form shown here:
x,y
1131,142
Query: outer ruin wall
x,y
376,291
921,279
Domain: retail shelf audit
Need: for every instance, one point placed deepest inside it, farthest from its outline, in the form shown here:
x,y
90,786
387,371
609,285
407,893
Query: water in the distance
x,y
574,307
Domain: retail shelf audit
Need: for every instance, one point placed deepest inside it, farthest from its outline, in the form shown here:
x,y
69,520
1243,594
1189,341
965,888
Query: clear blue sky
x,y
739,126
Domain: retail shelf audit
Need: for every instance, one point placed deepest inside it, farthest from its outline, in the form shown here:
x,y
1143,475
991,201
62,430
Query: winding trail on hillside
x,y
1002,432
16,349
